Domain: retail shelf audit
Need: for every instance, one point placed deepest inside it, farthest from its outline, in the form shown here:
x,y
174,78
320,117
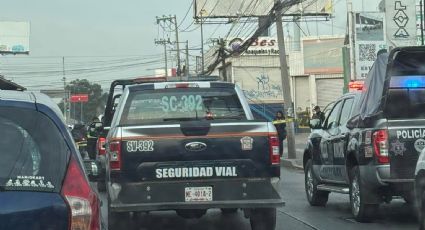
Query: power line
x,y
187,13
244,46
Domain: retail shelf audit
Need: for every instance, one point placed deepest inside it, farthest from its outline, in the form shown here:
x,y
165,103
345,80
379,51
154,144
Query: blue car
x,y
43,184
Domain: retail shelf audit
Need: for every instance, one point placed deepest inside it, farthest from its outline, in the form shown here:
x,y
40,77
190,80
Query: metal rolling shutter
x,y
328,90
302,92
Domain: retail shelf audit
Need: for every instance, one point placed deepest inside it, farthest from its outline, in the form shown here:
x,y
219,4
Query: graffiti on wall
x,y
265,89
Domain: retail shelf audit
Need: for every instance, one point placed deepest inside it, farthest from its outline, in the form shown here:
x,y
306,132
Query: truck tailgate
x,y
406,141
193,150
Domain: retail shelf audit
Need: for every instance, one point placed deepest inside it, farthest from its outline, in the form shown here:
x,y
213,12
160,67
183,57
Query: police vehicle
x,y
369,143
101,128
190,147
420,189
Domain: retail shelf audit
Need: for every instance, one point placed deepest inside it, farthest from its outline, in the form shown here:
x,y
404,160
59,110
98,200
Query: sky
x,y
103,40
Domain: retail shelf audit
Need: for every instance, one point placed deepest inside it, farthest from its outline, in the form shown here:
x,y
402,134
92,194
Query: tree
x,y
94,107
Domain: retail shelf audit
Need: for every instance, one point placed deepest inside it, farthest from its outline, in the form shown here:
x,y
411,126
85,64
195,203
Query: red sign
x,y
354,86
79,98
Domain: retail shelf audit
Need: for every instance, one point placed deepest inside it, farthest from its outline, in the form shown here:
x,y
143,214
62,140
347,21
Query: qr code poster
x,y
366,54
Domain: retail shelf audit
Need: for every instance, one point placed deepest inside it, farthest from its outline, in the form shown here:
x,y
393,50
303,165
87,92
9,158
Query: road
x,y
296,215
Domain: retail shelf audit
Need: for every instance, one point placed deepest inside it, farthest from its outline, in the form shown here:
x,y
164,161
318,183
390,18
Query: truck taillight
x,y
83,203
101,145
380,144
274,149
115,155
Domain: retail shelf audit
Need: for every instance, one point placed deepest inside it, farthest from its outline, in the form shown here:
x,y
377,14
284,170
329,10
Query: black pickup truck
x,y
190,147
101,129
369,143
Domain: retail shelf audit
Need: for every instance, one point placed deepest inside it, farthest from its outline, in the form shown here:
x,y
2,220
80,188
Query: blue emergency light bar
x,y
407,82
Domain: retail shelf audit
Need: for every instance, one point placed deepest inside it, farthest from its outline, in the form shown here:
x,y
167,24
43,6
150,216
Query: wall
x,y
259,77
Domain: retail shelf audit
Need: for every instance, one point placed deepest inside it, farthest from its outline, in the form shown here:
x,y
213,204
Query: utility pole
x,y
187,59
351,39
179,69
223,60
164,43
64,90
202,40
285,80
173,20
422,21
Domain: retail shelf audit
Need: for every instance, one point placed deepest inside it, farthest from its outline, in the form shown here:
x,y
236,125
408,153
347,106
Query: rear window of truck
x,y
182,104
405,98
405,103
33,152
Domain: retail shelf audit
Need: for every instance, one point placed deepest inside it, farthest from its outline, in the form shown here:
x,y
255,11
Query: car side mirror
x,y
93,171
352,122
315,124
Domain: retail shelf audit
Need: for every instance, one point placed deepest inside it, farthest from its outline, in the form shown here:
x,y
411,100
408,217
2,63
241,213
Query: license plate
x,y
194,194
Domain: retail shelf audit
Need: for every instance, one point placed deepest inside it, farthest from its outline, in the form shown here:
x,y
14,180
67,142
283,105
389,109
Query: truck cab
x,y
190,147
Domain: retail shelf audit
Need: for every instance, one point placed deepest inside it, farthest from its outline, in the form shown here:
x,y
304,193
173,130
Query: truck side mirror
x,y
315,124
352,122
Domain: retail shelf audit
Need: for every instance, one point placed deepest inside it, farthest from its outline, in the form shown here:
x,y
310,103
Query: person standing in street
x,y
280,123
318,114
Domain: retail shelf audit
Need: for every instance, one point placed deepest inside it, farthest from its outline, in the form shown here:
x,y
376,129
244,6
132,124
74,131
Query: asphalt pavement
x,y
296,215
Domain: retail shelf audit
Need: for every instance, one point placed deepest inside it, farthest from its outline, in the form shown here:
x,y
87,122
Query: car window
x,y
182,105
332,120
33,152
405,103
346,111
328,110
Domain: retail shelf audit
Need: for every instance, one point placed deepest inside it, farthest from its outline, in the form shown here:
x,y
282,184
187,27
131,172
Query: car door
x,y
340,140
330,130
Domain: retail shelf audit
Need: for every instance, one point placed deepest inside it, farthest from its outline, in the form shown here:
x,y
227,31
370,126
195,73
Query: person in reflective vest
x,y
280,123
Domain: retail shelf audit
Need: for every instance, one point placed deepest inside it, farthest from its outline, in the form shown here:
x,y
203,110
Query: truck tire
x,y
117,220
420,201
113,220
314,196
263,219
361,211
229,211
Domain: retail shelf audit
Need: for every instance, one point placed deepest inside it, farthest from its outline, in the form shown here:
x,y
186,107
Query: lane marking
x,y
299,220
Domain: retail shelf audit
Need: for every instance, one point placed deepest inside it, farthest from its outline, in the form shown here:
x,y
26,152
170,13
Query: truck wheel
x,y
362,212
229,211
117,220
420,201
263,219
314,196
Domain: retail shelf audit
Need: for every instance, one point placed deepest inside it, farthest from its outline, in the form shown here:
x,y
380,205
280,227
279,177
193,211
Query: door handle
x,y
343,136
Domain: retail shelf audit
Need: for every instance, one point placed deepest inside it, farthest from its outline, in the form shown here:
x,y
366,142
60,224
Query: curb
x,y
291,164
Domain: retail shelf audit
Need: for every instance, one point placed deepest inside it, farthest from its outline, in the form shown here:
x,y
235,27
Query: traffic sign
x,y
82,98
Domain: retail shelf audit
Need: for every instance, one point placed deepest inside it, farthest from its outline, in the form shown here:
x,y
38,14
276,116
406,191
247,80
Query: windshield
x,y
33,152
144,107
